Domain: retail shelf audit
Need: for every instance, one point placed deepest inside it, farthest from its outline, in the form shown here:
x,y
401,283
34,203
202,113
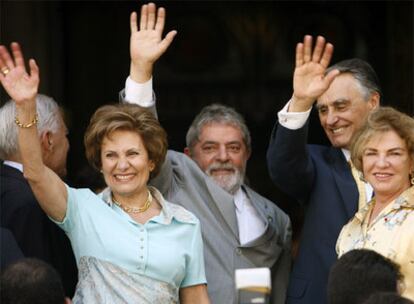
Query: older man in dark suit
x,y
318,176
36,235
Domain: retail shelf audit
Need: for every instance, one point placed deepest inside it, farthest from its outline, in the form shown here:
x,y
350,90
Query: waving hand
x,y
309,80
146,43
21,86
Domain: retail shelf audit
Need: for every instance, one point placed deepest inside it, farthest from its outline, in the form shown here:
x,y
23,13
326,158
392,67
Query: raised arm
x,y
22,87
309,79
146,43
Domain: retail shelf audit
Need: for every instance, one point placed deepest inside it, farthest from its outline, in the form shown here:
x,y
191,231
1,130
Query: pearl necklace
x,y
128,209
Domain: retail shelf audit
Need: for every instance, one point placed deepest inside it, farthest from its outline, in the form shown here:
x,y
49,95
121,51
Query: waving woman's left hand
x,y
21,86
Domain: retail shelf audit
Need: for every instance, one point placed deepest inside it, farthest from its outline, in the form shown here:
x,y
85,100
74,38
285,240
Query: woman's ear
x,y
151,166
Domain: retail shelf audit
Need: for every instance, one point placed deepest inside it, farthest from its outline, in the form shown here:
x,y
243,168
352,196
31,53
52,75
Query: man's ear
x,y
374,100
249,153
187,151
46,141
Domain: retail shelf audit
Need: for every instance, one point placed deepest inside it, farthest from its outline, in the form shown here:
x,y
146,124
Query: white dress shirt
x,y
139,93
251,226
13,164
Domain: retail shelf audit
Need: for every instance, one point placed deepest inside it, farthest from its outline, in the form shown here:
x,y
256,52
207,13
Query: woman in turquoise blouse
x,y
131,245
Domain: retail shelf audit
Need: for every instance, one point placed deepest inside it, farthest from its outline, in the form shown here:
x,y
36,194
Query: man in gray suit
x,y
240,228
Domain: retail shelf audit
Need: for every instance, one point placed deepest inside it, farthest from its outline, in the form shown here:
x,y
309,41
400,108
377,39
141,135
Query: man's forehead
x,y
332,103
344,89
218,128
220,133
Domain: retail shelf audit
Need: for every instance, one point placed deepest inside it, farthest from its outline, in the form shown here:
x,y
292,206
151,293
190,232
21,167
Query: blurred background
x,y
236,53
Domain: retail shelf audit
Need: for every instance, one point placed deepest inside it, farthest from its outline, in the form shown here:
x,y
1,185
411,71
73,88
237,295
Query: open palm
x,y
308,80
146,43
20,86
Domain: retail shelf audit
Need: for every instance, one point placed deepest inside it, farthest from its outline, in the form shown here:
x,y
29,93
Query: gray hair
x,y
48,112
217,113
363,72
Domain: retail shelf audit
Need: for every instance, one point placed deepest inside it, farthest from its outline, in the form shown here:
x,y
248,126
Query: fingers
x,y
319,46
327,55
17,54
2,50
165,43
322,52
34,70
133,22
330,77
307,48
299,54
151,16
144,17
159,26
6,60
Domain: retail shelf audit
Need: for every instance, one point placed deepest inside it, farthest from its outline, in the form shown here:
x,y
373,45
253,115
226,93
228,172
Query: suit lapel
x,y
344,181
225,204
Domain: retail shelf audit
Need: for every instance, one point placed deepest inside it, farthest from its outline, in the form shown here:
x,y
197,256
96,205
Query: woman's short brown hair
x,y
126,117
379,121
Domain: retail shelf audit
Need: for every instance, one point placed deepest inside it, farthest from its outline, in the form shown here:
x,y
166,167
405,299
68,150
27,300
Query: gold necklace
x,y
128,209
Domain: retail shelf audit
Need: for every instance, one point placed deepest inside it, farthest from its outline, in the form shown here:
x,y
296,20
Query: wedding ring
x,y
5,70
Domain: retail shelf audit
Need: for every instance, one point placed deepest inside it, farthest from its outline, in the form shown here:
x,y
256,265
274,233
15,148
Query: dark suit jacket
x,y
9,250
35,233
320,178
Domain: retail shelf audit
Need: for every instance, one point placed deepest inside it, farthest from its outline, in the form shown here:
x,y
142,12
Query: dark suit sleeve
x,y
282,268
36,235
289,163
9,250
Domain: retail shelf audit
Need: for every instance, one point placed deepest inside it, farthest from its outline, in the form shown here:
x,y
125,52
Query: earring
x,y
412,178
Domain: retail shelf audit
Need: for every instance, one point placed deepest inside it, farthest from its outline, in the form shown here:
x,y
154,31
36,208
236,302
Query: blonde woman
x,y
383,151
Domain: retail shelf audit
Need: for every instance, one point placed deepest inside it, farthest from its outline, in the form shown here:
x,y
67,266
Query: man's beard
x,y
229,182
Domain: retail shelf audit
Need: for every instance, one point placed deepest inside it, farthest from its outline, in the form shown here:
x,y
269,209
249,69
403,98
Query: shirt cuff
x,y
292,120
139,93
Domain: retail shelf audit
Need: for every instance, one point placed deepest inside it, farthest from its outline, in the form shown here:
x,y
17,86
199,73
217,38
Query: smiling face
x,y
222,154
343,109
125,164
386,164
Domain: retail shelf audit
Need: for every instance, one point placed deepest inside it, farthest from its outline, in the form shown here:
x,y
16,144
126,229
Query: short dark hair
x,y
128,117
362,71
359,273
31,281
387,298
